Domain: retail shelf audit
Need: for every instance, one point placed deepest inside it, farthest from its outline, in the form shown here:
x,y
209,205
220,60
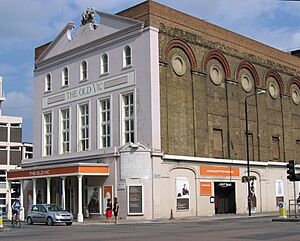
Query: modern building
x,y
11,149
151,105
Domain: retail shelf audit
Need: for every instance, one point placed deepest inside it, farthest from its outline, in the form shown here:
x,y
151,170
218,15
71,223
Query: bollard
x,y
1,218
171,215
282,210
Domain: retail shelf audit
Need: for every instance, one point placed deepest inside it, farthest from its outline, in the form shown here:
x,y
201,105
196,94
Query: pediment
x,y
70,38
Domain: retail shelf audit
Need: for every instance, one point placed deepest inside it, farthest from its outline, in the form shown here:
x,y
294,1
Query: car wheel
x,y
29,220
49,221
69,224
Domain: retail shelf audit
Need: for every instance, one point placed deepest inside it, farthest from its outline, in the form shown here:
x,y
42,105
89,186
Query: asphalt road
x,y
227,229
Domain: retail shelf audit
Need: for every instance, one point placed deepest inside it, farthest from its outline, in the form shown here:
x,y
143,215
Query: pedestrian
x,y
108,210
116,209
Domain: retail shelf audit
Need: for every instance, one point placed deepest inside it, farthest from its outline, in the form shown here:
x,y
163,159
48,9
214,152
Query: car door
x,y
34,213
43,214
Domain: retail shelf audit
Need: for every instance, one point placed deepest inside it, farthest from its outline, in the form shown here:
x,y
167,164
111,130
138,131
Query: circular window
x,y
215,74
273,90
179,65
295,95
246,83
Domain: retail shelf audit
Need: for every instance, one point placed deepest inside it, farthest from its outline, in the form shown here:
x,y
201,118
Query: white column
x,y
34,191
9,214
63,192
22,200
79,215
48,190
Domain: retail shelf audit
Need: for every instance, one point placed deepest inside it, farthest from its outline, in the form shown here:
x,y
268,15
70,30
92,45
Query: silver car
x,y
49,214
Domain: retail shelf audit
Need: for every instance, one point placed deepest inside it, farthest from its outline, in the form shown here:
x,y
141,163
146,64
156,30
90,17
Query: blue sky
x,y
26,24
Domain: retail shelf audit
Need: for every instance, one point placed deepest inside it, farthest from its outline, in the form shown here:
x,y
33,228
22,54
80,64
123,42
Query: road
x,y
226,229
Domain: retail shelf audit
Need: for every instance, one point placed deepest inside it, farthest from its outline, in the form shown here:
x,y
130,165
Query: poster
x,y
279,188
253,194
93,199
107,194
182,193
29,199
135,199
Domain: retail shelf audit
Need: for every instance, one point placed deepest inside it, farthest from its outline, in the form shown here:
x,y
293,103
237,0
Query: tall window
x,y
104,64
127,56
83,70
65,131
275,148
65,77
84,127
218,143
128,118
48,86
105,123
48,134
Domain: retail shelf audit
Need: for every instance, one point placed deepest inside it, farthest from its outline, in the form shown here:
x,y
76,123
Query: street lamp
x,y
258,92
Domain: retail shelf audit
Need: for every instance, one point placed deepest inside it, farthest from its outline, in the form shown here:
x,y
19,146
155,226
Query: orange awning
x,y
66,170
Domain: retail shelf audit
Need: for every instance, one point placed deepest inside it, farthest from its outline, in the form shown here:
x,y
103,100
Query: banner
x,y
182,193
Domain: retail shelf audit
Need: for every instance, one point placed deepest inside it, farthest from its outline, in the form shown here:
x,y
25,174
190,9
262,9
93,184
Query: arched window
x,y
127,56
65,77
83,70
48,86
104,64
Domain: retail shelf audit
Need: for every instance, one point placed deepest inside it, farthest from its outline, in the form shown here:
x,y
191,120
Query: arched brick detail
x,y
214,54
178,43
277,77
246,65
294,80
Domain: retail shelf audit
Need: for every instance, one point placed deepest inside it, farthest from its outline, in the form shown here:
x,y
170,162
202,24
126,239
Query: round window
x,y
246,83
295,94
179,65
215,74
273,90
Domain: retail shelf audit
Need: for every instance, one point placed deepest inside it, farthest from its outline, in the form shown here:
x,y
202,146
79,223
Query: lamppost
x,y
259,92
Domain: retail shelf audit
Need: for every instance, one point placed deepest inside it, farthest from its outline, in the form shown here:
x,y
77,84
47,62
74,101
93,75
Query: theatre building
x,y
150,105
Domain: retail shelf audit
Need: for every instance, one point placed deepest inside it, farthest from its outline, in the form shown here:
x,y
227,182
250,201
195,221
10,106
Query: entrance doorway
x,y
225,197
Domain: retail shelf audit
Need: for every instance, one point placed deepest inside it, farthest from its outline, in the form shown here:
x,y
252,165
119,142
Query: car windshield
x,y
54,208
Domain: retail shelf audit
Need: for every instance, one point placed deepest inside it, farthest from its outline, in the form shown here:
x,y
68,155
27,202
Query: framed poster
x,y
29,199
93,200
135,196
182,193
107,194
279,191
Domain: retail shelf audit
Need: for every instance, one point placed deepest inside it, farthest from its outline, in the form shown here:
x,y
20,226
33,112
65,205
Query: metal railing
x,y
294,208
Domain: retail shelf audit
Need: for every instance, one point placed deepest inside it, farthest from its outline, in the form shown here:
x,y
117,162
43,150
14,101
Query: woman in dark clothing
x,y
109,210
116,209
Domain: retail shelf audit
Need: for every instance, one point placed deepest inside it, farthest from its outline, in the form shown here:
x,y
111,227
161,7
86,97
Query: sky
x,y
27,24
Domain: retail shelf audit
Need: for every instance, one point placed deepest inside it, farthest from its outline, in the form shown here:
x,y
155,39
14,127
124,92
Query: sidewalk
x,y
101,221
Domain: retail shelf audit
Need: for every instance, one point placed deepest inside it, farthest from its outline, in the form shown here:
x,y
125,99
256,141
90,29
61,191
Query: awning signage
x,y
215,171
58,171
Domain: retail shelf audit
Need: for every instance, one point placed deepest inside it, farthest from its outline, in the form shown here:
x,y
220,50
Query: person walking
x,y
108,210
116,209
